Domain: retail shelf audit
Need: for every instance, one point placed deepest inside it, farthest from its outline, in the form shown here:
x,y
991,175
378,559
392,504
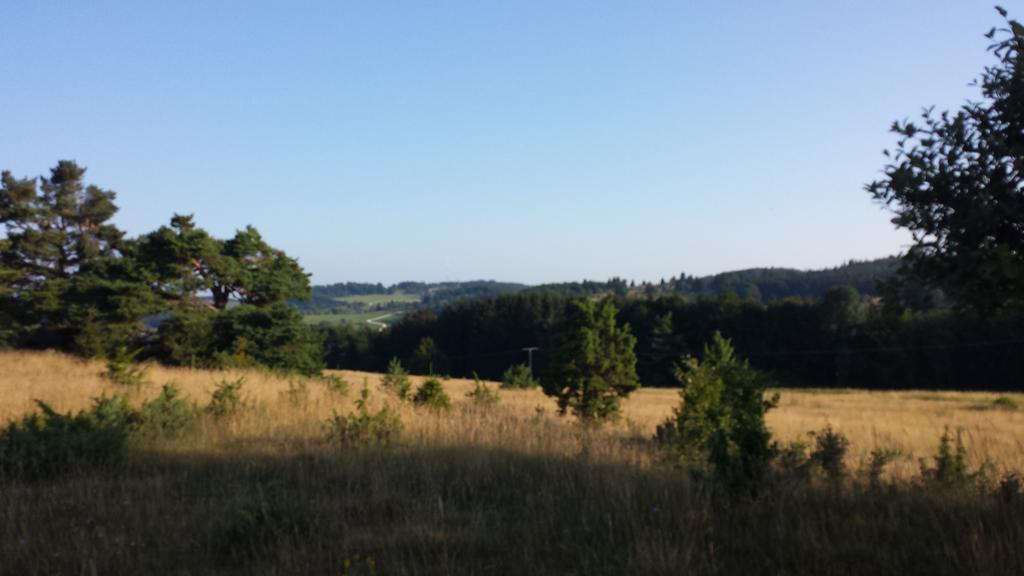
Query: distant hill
x,y
356,302
761,284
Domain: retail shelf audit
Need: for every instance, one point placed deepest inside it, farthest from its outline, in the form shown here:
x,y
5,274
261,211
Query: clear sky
x,y
522,141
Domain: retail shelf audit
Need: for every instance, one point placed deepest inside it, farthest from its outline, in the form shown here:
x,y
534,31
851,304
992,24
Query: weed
x,y
396,380
830,452
364,428
481,395
297,394
336,385
226,400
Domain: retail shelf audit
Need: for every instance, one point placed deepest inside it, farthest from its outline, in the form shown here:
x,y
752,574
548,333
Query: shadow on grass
x,y
480,511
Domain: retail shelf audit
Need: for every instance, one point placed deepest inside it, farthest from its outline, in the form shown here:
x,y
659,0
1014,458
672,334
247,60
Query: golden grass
x,y
910,421
511,490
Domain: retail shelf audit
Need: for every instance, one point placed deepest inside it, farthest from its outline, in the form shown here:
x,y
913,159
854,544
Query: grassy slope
x,y
510,491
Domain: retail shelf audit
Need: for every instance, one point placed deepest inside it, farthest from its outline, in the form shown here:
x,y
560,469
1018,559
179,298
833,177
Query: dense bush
x,y
48,442
166,416
720,420
431,394
518,377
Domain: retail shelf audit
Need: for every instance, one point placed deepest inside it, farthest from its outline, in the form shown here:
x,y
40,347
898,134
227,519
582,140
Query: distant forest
x,y
753,284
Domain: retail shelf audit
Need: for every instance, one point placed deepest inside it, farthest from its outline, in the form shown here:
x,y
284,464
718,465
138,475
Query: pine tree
x,y
594,364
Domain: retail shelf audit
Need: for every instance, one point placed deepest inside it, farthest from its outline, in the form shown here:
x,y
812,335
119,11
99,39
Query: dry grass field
x,y
910,422
510,490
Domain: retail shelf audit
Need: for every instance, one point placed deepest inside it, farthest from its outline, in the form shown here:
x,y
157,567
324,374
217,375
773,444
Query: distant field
x,y
352,318
381,299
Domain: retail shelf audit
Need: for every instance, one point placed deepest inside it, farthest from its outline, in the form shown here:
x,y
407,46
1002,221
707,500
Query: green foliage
x,y
297,394
481,395
877,461
184,259
334,384
396,380
427,358
830,452
593,363
1006,403
47,442
950,461
518,377
954,182
122,370
169,415
721,419
227,400
67,276
275,337
186,338
431,394
364,428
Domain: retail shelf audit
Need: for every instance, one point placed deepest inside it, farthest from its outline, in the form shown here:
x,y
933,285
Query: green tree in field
x,y
720,420
955,181
593,364
185,259
67,275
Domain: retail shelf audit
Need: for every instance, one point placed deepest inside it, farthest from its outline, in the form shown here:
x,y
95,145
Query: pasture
x,y
511,489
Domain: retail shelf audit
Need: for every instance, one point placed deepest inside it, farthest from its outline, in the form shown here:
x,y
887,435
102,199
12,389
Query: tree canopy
x,y
955,182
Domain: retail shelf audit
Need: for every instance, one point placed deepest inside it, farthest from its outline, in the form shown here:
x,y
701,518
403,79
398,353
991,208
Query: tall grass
x,y
508,490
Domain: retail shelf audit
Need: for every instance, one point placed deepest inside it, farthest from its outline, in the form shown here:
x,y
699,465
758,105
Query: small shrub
x,y
1010,488
226,400
830,452
47,442
431,394
396,380
950,460
336,385
793,458
297,393
720,420
877,461
1006,403
364,428
166,416
518,377
122,370
481,395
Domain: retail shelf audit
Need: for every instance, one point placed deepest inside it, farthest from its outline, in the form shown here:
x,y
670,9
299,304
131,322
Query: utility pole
x,y
529,351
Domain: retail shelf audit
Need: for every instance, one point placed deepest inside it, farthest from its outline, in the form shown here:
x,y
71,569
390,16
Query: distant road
x,y
376,322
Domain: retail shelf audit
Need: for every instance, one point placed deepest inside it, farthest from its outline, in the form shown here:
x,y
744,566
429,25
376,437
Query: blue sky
x,y
521,141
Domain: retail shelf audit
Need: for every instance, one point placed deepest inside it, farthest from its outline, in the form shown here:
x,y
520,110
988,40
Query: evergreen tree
x,y
594,364
67,278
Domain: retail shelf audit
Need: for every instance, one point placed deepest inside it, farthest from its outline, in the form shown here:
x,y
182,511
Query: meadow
x,y
509,489
381,299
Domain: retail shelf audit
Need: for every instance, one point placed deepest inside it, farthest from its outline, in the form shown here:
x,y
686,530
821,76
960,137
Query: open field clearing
x,y
351,317
911,421
379,299
512,489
